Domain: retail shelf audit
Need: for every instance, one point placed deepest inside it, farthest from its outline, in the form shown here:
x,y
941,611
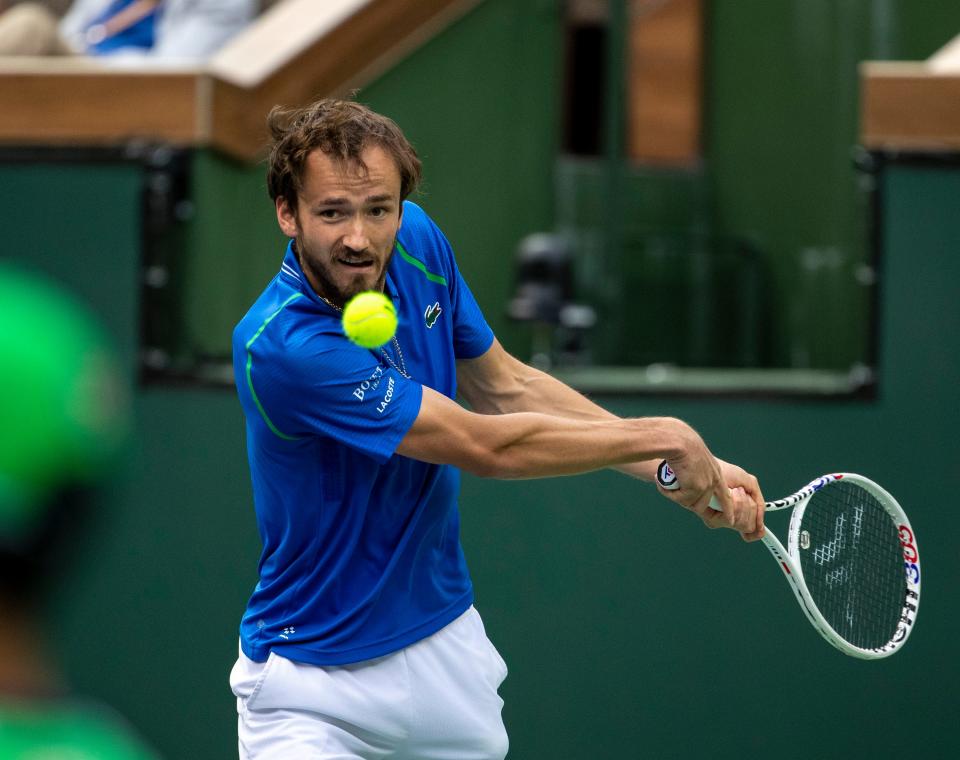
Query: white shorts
x,y
435,700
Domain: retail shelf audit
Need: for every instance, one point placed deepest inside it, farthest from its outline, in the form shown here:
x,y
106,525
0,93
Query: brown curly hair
x,y
342,129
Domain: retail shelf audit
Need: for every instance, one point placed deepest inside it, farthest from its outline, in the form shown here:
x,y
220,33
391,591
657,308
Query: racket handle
x,y
667,479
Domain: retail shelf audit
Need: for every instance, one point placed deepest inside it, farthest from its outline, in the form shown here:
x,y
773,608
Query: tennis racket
x,y
851,560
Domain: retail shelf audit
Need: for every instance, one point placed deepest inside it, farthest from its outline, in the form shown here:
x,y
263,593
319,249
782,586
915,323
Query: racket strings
x,y
852,564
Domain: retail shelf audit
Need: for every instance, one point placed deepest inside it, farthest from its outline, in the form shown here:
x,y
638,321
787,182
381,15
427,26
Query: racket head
x,y
857,563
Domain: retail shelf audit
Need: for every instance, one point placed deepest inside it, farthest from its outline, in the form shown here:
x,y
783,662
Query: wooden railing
x,y
912,106
296,51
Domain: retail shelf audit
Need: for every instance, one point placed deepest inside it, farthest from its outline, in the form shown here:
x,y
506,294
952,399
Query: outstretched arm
x,y
498,383
536,445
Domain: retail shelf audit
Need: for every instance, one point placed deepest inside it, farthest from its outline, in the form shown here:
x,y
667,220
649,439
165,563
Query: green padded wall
x,y
79,222
630,631
781,126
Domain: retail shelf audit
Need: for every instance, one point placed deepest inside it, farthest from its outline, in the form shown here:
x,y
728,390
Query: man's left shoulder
x,y
422,243
416,221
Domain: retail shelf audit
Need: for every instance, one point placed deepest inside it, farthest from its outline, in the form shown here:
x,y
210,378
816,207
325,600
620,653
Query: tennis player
x,y
360,639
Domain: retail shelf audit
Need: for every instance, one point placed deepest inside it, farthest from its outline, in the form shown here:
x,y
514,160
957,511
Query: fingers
x,y
729,501
697,499
754,535
725,516
751,529
698,478
721,494
758,504
738,512
761,509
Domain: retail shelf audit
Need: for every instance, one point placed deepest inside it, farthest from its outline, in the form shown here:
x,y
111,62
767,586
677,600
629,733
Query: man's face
x,y
345,223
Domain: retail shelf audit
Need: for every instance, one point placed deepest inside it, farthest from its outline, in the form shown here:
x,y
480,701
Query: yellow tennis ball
x,y
369,319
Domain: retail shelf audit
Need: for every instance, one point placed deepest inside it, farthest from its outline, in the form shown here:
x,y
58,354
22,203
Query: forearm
x,y
509,395
530,390
534,445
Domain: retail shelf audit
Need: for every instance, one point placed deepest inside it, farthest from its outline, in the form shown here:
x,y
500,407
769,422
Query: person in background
x,y
65,414
125,30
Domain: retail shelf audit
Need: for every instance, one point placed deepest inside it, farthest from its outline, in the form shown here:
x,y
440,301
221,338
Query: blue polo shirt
x,y
361,548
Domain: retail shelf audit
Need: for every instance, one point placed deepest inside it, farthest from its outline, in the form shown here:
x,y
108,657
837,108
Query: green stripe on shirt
x,y
253,393
438,278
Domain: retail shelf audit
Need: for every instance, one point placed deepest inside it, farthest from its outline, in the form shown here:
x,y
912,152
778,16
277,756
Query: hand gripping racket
x,y
851,560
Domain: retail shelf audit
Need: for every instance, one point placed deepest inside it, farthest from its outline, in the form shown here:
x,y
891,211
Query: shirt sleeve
x,y
330,387
472,335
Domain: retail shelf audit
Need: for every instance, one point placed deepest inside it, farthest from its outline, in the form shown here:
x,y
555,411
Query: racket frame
x,y
788,558
789,561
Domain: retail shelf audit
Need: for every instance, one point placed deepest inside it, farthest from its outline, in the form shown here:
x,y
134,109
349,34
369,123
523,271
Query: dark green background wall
x,y
629,630
782,122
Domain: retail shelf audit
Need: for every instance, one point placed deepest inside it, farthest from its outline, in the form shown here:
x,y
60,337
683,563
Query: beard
x,y
320,277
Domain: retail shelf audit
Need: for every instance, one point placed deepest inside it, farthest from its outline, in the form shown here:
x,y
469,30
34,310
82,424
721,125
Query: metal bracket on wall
x,y
166,209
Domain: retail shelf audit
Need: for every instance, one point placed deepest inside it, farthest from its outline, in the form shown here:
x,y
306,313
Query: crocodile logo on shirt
x,y
431,314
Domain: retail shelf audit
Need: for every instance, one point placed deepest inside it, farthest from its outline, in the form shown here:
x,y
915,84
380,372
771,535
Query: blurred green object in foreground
x,y
63,405
66,731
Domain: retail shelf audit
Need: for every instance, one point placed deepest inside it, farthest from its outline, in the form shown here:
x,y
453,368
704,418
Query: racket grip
x,y
667,479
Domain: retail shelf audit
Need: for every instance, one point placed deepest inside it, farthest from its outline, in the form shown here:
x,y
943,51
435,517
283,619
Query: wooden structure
x,y
296,51
663,70
912,106
665,73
